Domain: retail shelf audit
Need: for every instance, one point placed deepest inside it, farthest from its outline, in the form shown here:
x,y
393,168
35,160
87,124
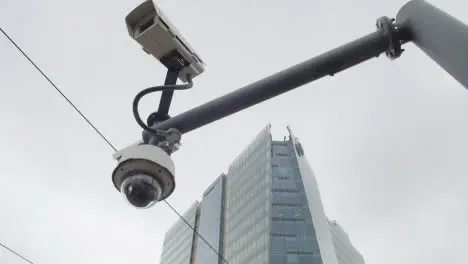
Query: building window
x,y
280,178
292,258
282,235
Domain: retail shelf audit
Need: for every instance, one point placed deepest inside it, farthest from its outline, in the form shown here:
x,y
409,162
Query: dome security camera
x,y
144,174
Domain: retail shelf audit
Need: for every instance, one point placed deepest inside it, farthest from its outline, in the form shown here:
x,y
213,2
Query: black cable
x,y
16,253
195,231
146,91
58,90
137,117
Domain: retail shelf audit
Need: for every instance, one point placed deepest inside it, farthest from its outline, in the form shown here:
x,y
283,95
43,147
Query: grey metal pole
x,y
166,96
441,36
325,64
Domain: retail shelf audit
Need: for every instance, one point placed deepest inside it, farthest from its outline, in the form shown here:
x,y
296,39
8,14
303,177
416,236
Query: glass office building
x,y
179,241
345,251
211,224
248,209
267,210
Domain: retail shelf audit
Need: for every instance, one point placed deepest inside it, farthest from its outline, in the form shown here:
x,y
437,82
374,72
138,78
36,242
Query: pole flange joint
x,y
392,31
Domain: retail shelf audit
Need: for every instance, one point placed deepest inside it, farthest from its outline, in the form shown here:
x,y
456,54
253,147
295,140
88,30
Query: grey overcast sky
x,y
386,139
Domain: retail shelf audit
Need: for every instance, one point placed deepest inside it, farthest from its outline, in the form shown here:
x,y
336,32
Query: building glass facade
x,y
345,251
267,210
211,224
247,207
178,245
293,238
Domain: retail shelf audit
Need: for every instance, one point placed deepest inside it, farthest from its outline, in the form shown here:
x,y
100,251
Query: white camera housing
x,y
145,160
148,25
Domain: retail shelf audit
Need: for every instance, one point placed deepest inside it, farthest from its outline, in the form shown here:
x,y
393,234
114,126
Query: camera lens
x,y
141,190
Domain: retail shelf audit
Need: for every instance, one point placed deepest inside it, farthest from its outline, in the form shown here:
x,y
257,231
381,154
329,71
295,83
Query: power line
x,y
16,253
58,90
99,133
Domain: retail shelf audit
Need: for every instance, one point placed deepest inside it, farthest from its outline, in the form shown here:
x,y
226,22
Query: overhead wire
x,y
99,133
16,253
58,90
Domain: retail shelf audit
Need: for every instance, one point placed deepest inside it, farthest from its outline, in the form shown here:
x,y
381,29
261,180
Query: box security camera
x,y
152,30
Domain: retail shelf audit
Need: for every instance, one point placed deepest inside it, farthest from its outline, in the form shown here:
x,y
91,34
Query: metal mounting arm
x,y
174,65
439,35
328,63
166,96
